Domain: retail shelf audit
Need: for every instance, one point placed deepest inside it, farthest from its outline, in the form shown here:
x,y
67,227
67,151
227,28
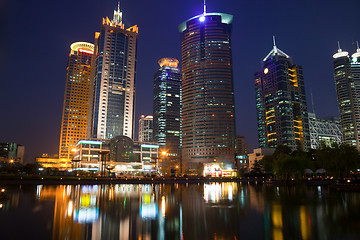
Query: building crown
x,y
117,19
275,51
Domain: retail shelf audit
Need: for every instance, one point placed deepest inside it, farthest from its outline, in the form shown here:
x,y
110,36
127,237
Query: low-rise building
x,y
258,154
12,152
53,161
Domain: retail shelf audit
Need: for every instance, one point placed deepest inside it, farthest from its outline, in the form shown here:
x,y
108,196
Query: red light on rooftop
x,y
85,51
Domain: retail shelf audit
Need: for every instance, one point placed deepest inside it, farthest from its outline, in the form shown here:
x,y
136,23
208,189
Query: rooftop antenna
x,y
312,101
204,8
274,40
339,46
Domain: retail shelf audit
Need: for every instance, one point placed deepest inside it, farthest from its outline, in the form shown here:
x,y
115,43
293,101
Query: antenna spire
x,y
118,6
357,44
339,46
274,41
204,7
312,101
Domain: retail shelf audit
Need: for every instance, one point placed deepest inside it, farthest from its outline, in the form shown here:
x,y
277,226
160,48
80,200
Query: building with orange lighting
x,y
77,98
281,103
115,74
167,109
208,111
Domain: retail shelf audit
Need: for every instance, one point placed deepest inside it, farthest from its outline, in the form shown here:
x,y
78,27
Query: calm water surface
x,y
179,211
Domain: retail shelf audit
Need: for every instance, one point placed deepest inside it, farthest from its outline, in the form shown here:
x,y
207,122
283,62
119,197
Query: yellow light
x,y
70,208
163,205
177,166
266,70
11,161
1,205
3,190
74,149
164,153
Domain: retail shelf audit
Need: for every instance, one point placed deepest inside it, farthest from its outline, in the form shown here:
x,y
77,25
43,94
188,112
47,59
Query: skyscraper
x,y
77,98
281,103
146,129
347,81
167,108
115,76
208,125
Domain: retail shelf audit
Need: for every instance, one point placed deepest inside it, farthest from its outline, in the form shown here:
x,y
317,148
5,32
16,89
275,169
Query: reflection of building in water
x,y
296,222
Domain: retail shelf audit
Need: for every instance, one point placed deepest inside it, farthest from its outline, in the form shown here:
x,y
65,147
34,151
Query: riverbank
x,y
72,180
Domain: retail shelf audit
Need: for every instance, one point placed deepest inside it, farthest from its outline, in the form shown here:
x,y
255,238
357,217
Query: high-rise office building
x,y
347,82
281,103
115,75
327,131
146,129
167,108
208,112
77,98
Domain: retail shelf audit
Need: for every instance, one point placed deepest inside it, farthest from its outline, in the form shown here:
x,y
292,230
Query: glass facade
x,y
167,107
281,103
208,125
77,98
115,74
146,129
347,82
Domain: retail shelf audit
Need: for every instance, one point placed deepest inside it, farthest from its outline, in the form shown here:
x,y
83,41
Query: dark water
x,y
179,211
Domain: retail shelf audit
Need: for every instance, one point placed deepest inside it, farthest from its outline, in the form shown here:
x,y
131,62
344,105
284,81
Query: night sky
x,y
36,36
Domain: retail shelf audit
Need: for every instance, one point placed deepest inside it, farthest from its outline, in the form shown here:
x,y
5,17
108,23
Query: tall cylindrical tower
x,y
208,125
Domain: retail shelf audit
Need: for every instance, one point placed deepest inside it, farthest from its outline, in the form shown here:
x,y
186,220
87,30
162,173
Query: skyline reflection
x,y
183,211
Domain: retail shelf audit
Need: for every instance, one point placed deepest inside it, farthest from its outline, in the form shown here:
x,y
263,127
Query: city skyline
x,y
34,95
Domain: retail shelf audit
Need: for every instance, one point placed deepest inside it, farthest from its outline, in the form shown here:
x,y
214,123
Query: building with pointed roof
x,y
281,103
347,82
115,74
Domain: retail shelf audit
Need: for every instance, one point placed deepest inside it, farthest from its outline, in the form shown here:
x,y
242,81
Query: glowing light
x,y
149,146
85,51
3,190
266,70
83,47
1,205
340,54
170,62
202,18
12,161
70,208
163,205
164,153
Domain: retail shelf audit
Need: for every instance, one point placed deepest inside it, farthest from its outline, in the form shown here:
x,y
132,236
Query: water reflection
x,y
183,211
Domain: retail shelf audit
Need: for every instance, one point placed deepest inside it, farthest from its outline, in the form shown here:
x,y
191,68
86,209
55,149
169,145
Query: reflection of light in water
x,y
242,197
68,190
305,223
163,205
212,192
277,222
70,208
319,192
38,191
230,194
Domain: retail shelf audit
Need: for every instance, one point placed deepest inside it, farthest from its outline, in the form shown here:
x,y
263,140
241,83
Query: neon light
x,y
89,142
149,146
85,51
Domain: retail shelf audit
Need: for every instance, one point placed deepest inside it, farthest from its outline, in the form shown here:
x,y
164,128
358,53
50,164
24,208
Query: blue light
x,y
202,18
